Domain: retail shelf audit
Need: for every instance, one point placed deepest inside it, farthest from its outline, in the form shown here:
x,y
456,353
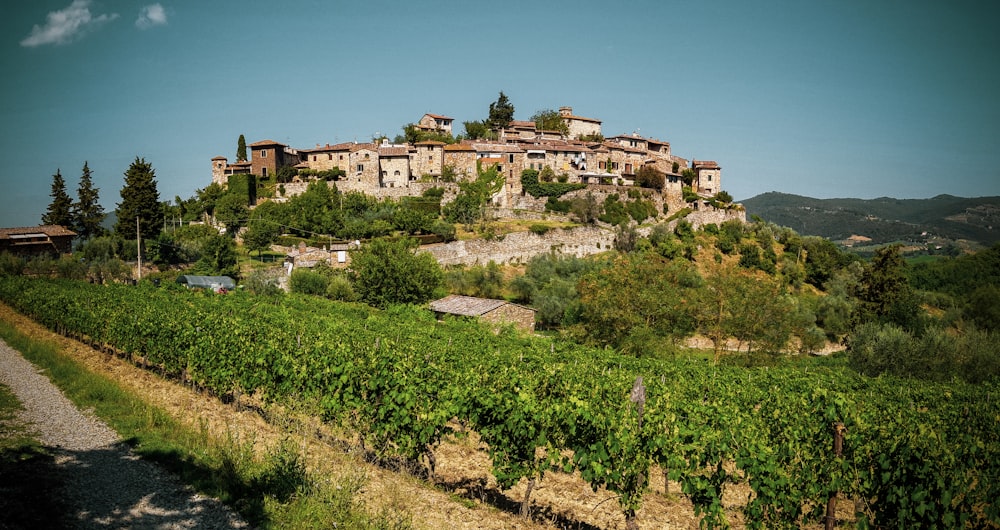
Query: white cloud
x,y
151,15
65,25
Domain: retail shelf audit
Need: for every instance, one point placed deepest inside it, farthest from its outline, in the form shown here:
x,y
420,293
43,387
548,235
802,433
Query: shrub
x,y
308,282
539,228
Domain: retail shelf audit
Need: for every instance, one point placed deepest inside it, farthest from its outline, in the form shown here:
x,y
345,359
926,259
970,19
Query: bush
x,y
539,228
11,265
308,282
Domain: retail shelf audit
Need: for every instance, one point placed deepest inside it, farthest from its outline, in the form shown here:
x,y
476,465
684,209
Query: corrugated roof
x,y
466,305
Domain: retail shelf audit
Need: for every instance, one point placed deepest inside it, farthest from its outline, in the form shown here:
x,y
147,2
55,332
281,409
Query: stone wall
x,y
519,247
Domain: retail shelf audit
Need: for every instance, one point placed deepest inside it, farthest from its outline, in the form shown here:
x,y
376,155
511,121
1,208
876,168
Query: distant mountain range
x,y
938,220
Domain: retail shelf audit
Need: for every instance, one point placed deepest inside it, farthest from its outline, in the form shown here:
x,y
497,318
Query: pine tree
x,y
501,113
139,199
59,212
241,149
87,212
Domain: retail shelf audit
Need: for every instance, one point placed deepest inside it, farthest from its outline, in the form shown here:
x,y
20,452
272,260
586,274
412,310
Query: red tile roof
x,y
581,118
266,143
705,164
393,151
459,147
438,116
430,142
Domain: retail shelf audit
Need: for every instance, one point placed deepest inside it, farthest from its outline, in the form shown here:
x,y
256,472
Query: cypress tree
x,y
139,199
241,149
87,212
60,209
501,113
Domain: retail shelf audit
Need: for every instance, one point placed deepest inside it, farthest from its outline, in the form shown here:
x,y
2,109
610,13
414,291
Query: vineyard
x,y
914,454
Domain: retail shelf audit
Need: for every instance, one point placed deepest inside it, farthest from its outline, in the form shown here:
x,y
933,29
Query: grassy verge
x,y
272,491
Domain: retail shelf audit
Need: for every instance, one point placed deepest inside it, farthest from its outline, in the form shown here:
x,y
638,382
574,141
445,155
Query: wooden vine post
x,y
838,449
638,397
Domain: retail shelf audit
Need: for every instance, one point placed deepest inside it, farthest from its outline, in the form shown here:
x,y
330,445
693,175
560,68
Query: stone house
x,y
578,125
461,157
363,171
222,169
326,157
709,176
394,165
427,158
487,310
266,156
44,240
435,123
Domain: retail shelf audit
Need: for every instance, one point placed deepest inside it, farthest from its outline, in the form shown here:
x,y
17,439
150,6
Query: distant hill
x,y
938,220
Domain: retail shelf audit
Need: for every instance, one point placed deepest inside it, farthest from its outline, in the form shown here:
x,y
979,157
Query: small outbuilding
x,y
215,283
486,309
28,242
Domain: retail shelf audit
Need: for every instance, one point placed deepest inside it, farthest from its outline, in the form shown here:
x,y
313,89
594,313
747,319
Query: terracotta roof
x,y
438,116
265,143
393,151
345,146
220,157
497,148
521,123
458,147
359,147
466,305
48,230
430,142
581,118
243,163
705,164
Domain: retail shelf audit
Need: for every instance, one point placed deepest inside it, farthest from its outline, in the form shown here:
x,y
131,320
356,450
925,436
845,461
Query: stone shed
x,y
486,309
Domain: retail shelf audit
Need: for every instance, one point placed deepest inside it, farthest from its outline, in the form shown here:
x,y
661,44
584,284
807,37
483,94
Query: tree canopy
x,y
87,211
550,120
389,272
501,113
60,209
139,199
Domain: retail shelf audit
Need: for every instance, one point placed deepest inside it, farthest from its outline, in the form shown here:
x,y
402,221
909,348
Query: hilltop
x,y
940,221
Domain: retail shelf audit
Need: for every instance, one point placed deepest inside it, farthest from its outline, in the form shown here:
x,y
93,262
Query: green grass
x,y
271,492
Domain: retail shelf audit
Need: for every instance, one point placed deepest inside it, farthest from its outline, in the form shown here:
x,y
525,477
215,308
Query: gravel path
x,y
104,484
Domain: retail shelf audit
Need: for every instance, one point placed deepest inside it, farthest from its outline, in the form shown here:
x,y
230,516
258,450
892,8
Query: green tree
x,y
141,200
884,292
391,272
688,176
469,205
637,295
476,129
207,197
60,209
260,235
501,113
650,177
218,258
87,211
241,149
232,212
550,120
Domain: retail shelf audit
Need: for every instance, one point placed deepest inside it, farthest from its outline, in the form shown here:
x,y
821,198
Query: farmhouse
x,y
27,242
489,310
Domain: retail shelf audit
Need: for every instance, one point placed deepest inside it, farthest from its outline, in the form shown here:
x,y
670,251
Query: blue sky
x,y
825,99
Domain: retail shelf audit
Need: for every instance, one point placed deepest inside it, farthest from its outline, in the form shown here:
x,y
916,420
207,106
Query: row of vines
x,y
915,455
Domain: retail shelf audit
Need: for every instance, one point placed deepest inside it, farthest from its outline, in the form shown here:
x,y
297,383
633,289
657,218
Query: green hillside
x,y
920,221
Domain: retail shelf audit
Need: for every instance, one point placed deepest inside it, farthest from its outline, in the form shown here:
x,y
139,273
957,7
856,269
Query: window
x,y
314,158
341,157
510,158
395,173
330,156
367,155
710,178
263,171
361,168
430,158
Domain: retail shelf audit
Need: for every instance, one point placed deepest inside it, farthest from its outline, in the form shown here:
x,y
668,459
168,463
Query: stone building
x,y
435,123
487,310
427,158
394,165
579,126
326,157
32,241
709,176
461,158
266,156
222,169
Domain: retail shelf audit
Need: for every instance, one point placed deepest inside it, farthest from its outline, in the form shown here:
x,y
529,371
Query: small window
x,y
510,158
341,157
430,158
710,178
314,158
395,173
367,155
263,154
330,156
361,168
264,172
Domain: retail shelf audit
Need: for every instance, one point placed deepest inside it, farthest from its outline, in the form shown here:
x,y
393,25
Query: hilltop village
x,y
577,154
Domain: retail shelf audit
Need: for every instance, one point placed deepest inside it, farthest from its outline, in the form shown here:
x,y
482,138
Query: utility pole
x,y
138,248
